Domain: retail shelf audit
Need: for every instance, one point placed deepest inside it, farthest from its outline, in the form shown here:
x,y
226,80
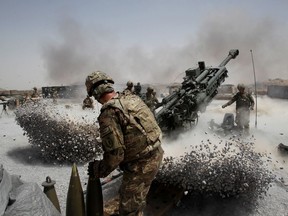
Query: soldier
x,y
35,93
27,98
4,104
244,103
155,100
149,97
131,139
137,89
87,103
129,88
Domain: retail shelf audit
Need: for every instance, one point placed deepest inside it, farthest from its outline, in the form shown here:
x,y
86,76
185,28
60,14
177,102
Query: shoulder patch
x,y
105,131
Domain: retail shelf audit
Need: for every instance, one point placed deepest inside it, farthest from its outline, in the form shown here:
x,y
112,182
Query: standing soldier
x,y
156,102
129,88
149,98
131,139
4,104
244,103
35,95
27,98
137,89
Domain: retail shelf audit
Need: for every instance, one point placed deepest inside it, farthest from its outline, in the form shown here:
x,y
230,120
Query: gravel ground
x,y
18,158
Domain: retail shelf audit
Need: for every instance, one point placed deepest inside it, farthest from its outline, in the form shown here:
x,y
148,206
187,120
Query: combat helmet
x,y
129,84
240,86
150,89
98,83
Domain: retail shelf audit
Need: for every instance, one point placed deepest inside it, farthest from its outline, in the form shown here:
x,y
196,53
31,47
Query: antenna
x,y
255,88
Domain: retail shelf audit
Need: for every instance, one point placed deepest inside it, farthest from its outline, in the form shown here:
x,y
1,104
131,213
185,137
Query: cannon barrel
x,y
232,55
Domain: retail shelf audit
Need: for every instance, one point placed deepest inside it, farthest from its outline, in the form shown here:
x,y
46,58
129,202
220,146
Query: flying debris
x,y
231,169
57,136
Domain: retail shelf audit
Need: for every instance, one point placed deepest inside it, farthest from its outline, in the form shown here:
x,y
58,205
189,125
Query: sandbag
x,y
30,200
19,198
5,188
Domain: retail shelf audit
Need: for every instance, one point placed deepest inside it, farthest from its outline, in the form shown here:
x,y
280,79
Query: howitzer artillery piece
x,y
180,109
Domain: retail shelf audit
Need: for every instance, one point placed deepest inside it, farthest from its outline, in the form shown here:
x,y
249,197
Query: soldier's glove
x,y
93,168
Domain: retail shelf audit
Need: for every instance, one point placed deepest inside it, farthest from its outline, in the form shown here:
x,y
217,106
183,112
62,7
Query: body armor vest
x,y
243,101
142,128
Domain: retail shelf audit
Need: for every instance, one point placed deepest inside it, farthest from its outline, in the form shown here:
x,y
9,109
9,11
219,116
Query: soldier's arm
x,y
233,99
251,101
112,142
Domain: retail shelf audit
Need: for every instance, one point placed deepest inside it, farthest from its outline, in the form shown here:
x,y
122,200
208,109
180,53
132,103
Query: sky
x,y
60,42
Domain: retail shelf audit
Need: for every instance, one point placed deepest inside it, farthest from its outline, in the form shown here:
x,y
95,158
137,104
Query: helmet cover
x,y
96,79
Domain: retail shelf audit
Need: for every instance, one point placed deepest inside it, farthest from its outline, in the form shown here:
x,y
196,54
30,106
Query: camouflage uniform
x,y
137,89
244,103
129,88
27,98
131,138
35,93
151,99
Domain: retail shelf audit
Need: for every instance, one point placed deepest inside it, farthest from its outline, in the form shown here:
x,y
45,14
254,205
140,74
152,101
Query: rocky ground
x,y
267,131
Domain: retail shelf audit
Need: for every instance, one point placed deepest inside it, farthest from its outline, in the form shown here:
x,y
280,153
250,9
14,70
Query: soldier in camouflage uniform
x,y
244,103
131,139
156,102
137,89
151,99
35,93
129,88
27,98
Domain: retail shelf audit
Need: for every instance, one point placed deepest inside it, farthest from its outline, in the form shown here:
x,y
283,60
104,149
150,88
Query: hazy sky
x,y
59,42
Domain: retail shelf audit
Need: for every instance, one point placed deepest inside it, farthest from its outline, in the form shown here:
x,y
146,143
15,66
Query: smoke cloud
x,y
83,50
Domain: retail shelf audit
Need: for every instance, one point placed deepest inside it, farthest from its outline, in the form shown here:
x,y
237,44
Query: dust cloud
x,y
267,131
85,49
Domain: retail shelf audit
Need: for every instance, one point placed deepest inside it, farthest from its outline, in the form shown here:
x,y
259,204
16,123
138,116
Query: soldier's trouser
x,y
137,178
243,118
